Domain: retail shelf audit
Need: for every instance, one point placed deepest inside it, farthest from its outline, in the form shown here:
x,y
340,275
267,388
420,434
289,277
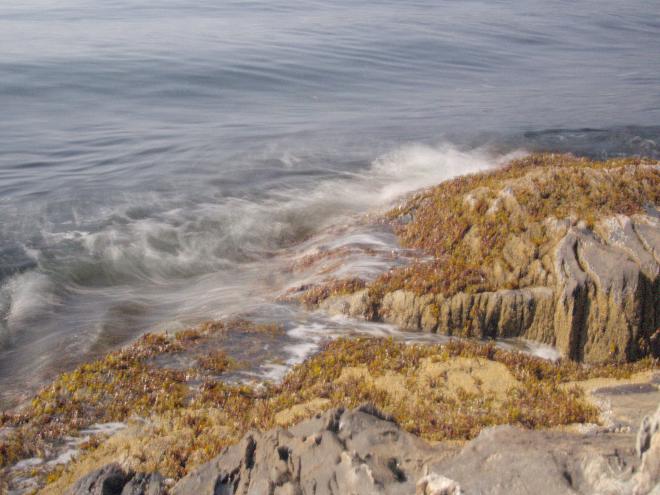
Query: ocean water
x,y
160,161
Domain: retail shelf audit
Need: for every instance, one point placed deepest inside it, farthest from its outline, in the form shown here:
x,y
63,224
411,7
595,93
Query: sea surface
x,y
162,161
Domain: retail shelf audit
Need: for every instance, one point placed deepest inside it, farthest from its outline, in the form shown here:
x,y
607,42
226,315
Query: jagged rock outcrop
x,y
364,452
113,480
592,289
647,480
339,452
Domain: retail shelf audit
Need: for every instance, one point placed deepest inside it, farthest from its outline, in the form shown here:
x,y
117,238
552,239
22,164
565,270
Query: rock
x,y
558,262
649,427
356,305
434,484
112,480
145,484
339,452
616,294
594,297
510,460
647,480
364,452
108,480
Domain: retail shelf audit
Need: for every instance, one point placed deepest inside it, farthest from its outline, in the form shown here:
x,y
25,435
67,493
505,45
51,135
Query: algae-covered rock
x,y
553,248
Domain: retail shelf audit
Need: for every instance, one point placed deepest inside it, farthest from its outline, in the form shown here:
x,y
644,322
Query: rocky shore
x,y
362,451
552,248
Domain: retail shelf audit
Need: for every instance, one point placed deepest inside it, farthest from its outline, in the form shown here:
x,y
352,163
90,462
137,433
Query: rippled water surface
x,y
160,160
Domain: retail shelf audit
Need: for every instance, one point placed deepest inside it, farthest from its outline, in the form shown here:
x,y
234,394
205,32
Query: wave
x,y
155,262
144,243
155,242
24,298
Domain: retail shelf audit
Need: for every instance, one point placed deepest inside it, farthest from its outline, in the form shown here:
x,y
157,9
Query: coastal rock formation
x,y
113,480
362,451
647,480
340,452
555,249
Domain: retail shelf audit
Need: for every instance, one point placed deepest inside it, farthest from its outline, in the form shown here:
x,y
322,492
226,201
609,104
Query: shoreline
x,y
137,385
347,365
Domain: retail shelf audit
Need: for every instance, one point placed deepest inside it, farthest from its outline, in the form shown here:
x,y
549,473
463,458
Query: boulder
x,y
111,479
551,248
598,300
107,480
339,452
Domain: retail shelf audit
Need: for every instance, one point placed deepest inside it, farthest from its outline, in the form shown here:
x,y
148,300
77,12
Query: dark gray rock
x,y
111,479
108,480
509,460
145,484
364,452
339,452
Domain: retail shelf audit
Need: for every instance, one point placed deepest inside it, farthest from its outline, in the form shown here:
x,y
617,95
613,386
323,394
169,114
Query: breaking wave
x,y
102,278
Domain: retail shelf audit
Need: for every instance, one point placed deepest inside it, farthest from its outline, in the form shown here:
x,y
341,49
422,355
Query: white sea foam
x,y
207,236
154,258
417,166
25,296
543,351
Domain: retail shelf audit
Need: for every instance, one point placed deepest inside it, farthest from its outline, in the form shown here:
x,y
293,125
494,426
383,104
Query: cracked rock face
x,y
113,480
647,480
362,452
340,452
607,293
